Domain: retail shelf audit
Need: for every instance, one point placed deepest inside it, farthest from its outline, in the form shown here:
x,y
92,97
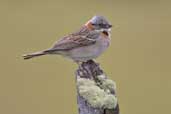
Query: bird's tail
x,y
36,54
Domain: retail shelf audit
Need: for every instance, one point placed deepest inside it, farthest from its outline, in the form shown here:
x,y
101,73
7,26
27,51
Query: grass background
x,y
139,58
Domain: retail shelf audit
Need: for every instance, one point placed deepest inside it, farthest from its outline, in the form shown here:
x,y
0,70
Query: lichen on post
x,y
96,93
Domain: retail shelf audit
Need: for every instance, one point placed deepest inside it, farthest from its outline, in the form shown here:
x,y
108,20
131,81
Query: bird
x,y
87,43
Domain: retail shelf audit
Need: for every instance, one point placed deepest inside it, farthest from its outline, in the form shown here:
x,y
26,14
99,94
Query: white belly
x,y
90,52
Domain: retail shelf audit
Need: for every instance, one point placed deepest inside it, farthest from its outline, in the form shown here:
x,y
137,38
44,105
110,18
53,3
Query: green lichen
x,y
107,84
96,96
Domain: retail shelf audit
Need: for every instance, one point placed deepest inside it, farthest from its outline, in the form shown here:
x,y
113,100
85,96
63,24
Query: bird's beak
x,y
110,26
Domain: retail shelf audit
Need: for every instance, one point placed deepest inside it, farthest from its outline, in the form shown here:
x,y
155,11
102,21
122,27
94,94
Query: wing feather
x,y
72,41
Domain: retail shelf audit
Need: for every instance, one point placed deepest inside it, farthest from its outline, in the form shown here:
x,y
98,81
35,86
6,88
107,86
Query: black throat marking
x,y
106,33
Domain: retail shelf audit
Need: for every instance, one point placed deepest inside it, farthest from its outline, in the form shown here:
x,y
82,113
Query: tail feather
x,y
36,54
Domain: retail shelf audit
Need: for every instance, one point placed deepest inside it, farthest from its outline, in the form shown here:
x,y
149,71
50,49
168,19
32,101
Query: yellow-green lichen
x,y
107,84
95,96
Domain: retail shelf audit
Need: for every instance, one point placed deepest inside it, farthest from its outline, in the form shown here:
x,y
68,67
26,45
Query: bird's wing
x,y
70,42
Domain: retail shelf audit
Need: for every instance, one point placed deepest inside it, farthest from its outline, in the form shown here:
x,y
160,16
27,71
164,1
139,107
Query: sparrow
x,y
89,42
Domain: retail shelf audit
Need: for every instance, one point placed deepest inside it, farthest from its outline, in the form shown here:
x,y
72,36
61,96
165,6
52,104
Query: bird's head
x,y
99,23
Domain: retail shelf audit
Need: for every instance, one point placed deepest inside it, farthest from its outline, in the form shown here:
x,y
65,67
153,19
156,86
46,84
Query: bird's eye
x,y
94,24
102,25
97,24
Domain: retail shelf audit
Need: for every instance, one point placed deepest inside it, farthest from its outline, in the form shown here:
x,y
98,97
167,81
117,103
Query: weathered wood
x,y
89,78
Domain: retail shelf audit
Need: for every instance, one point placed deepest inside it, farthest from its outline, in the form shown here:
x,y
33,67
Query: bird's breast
x,y
91,51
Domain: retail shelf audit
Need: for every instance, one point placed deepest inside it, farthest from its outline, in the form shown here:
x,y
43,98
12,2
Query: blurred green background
x,y
139,58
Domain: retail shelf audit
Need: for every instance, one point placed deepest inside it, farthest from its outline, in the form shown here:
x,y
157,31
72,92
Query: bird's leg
x,y
78,63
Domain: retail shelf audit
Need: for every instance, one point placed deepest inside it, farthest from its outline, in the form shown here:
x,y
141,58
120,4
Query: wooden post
x,y
96,94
